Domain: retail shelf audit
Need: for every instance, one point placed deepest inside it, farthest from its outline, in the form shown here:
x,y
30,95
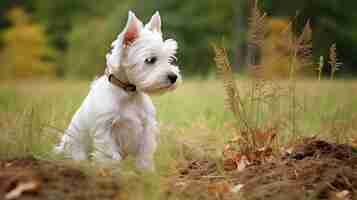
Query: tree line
x,y
69,38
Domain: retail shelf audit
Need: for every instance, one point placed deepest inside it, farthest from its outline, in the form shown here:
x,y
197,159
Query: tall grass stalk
x,y
233,100
334,63
320,68
301,58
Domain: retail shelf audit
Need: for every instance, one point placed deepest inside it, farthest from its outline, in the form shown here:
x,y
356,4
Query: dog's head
x,y
143,58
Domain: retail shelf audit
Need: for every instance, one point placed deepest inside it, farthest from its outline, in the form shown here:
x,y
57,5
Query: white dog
x,y
117,114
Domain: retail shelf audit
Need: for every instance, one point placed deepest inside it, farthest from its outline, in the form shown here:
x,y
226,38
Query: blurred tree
x,y
62,17
332,21
197,24
89,42
241,12
194,24
59,17
25,48
6,5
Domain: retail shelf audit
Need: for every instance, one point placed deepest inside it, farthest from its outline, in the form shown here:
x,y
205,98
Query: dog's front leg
x,y
105,147
72,142
147,147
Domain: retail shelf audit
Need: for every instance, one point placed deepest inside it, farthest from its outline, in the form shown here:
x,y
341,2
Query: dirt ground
x,y
29,179
314,169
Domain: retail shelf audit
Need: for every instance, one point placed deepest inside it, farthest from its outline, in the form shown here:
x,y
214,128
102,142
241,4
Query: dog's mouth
x,y
161,89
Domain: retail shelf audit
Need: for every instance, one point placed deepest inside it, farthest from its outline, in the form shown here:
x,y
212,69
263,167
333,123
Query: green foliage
x,y
195,24
60,17
89,43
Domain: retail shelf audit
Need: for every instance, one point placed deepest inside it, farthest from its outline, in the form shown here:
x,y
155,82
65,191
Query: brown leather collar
x,y
128,87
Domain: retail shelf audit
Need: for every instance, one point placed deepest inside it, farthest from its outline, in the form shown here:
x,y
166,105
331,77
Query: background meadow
x,y
191,127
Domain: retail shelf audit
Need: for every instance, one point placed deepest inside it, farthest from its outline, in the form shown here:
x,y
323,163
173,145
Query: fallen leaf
x,y
265,152
237,188
237,157
227,147
229,164
343,195
22,187
104,172
252,156
9,164
222,187
243,163
265,137
354,142
289,150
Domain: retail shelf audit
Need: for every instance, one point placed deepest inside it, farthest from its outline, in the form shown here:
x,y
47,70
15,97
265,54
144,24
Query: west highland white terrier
x,y
118,116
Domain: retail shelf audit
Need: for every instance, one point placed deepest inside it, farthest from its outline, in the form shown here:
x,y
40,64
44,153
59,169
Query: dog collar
x,y
126,86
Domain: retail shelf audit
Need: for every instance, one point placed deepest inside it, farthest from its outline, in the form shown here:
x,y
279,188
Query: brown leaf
x,y
222,187
229,164
354,142
237,157
342,195
227,147
243,163
30,186
104,172
8,164
288,151
252,156
265,151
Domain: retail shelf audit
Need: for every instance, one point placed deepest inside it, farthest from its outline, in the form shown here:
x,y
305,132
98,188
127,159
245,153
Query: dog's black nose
x,y
172,78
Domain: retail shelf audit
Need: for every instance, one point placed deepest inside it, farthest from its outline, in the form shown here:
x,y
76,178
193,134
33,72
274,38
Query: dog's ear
x,y
132,29
127,36
155,23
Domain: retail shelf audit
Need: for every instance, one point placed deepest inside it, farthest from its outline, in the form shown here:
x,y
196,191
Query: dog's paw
x,y
145,164
58,149
116,156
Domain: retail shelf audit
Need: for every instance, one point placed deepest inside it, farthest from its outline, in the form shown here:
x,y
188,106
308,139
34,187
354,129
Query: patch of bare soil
x,y
30,179
314,169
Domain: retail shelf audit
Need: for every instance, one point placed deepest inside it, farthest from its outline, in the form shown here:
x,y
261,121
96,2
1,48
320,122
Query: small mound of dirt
x,y
314,169
323,149
29,179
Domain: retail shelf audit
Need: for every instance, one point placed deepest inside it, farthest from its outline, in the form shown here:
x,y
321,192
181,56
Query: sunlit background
x,y
69,38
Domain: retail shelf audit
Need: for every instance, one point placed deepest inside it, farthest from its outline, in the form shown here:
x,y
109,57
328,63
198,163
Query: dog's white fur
x,y
120,122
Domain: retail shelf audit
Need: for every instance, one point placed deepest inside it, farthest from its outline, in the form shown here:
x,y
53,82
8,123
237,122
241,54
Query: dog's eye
x,y
173,60
151,60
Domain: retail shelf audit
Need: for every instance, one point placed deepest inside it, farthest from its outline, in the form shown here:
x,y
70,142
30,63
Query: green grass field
x,y
192,119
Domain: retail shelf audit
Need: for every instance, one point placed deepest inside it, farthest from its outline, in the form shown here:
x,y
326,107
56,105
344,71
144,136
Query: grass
x,y
192,119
